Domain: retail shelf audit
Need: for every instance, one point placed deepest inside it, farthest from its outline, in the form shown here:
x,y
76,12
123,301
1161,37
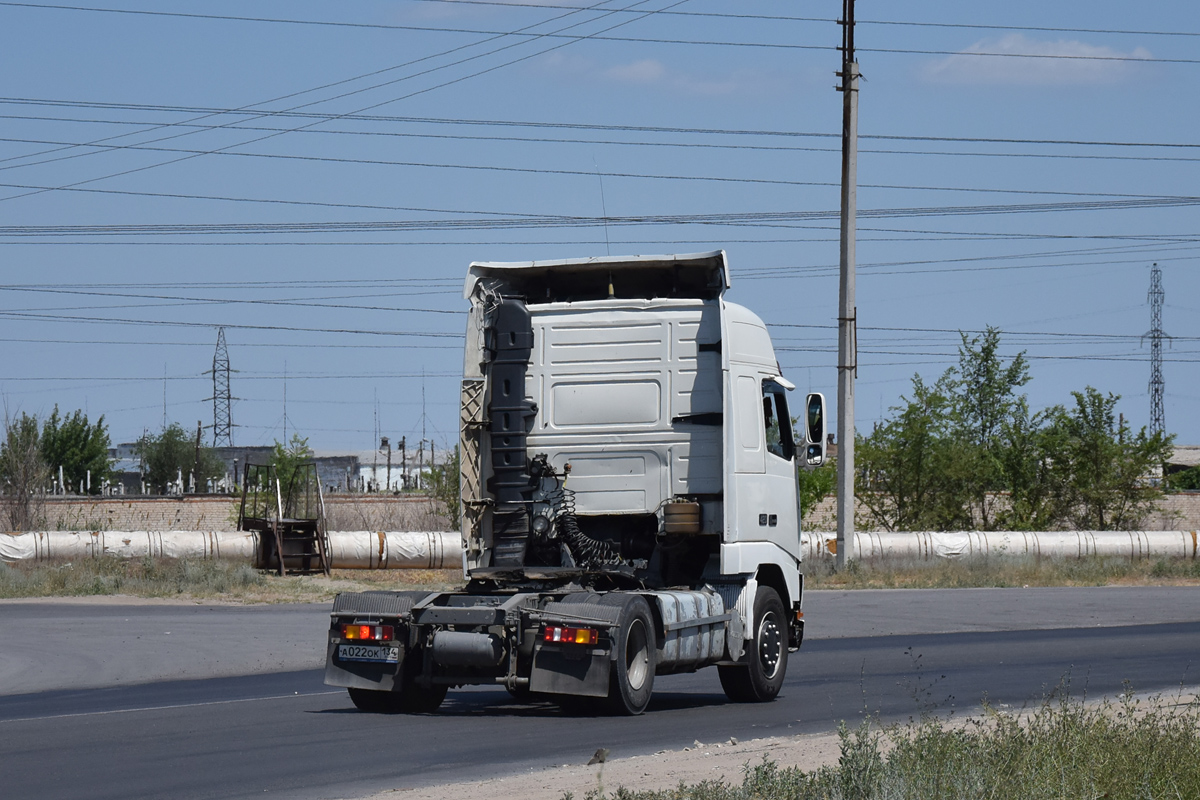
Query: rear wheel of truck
x,y
631,680
419,700
375,702
414,698
760,678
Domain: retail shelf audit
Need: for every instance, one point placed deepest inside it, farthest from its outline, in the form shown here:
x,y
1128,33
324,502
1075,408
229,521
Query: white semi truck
x,y
629,499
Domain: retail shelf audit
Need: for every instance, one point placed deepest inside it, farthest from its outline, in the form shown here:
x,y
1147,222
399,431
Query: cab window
x,y
778,421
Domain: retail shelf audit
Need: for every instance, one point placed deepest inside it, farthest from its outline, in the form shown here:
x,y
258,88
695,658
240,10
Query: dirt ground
x,y
702,761
662,770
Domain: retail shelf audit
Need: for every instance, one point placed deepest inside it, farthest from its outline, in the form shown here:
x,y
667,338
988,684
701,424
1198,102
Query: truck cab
x,y
629,499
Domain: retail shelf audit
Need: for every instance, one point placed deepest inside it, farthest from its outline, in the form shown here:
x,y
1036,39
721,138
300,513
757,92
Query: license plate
x,y
385,654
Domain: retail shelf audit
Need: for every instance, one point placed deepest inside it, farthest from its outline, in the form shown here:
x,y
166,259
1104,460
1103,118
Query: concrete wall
x,y
219,512
202,513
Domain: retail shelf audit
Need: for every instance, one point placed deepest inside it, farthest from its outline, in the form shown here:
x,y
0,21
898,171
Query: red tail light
x,y
554,633
368,633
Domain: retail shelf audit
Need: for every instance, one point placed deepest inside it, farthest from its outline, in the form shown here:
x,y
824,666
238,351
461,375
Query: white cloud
x,y
647,70
652,74
1085,63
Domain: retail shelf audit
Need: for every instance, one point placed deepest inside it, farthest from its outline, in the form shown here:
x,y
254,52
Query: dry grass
x,y
1001,572
1062,749
194,579
231,582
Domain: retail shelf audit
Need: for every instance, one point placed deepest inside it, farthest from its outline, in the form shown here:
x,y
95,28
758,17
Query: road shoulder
x,y
721,761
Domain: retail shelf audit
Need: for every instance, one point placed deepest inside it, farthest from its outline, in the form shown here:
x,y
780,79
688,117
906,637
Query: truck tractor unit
x,y
629,505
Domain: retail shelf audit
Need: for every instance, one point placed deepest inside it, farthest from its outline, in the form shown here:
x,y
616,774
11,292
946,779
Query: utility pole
x,y
197,477
403,462
1158,423
847,310
385,445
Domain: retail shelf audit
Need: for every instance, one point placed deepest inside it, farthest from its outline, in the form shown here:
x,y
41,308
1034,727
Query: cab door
x,y
779,475
764,478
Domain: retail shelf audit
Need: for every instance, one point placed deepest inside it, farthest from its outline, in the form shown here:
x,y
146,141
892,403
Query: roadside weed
x,y
1061,750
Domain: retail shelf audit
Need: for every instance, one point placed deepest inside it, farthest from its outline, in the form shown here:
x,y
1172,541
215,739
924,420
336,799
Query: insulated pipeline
x,y
932,545
348,549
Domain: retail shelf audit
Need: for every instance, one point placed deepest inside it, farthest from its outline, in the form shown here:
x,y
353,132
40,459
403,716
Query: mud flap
x,y
381,607
362,674
558,670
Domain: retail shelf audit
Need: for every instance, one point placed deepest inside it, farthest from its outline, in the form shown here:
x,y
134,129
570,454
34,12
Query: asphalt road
x,y
76,643
285,733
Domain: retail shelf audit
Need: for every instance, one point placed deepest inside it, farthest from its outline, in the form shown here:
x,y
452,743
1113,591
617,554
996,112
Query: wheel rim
x,y
770,645
637,655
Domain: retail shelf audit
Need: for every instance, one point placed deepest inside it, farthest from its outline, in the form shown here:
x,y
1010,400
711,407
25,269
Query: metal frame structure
x,y
222,398
291,526
1156,296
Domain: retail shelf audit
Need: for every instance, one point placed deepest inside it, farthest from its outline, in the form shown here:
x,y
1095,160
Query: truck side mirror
x,y
814,429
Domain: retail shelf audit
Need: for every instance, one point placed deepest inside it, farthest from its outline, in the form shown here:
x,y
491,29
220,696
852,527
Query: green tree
x,y
1031,474
983,406
287,459
172,453
815,484
1106,465
23,473
1185,480
77,446
910,466
967,452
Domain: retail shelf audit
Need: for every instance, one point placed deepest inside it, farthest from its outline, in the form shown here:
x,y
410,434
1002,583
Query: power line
x,y
1033,28
210,325
260,114
773,273
118,379
428,28
389,163
768,218
739,147
946,236
695,14
224,301
268,200
242,345
961,331
578,125
1048,57
786,18
529,170
386,83
311,283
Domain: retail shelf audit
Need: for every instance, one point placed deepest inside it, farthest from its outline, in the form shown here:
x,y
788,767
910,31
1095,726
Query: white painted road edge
x,y
443,549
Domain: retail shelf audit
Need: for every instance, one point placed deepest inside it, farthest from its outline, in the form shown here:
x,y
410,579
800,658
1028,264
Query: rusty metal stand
x,y
291,526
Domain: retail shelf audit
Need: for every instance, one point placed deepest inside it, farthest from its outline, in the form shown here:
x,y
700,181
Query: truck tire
x,y
419,700
760,678
375,702
631,680
414,698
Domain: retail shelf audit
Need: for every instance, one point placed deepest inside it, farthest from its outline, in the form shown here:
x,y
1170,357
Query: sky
x,y
316,178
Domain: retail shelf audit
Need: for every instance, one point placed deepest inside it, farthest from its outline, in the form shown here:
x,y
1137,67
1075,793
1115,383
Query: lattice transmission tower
x,y
222,399
1156,295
